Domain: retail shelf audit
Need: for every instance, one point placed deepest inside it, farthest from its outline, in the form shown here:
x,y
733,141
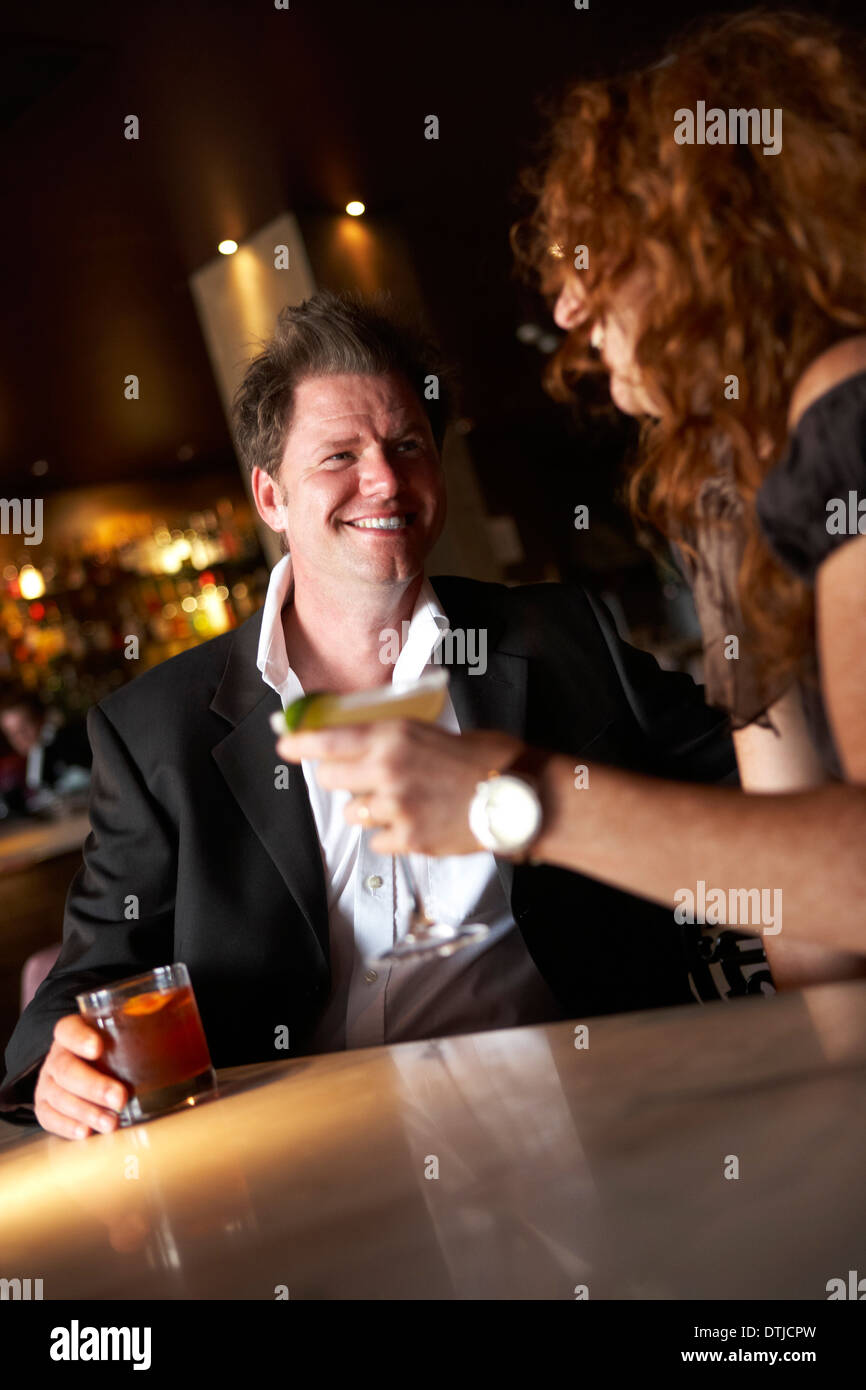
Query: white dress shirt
x,y
493,983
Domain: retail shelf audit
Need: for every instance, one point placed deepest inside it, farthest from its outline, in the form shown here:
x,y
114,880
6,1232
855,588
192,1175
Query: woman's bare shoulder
x,y
844,359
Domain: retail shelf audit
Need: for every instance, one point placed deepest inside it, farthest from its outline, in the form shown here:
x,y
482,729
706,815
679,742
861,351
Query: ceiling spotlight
x,y
39,467
228,247
528,332
548,342
355,208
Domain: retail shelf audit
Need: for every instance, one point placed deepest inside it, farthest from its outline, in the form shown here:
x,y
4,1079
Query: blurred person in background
x,y
55,758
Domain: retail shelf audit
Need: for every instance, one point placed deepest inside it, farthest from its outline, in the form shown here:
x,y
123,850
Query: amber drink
x,y
153,1041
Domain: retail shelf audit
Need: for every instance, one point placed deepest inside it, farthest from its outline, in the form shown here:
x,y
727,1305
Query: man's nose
x,y
568,311
379,473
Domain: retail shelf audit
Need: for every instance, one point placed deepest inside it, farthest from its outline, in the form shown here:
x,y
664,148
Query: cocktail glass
x,y
153,1041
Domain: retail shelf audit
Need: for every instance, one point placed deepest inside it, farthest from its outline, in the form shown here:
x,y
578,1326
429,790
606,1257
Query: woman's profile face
x,y
614,337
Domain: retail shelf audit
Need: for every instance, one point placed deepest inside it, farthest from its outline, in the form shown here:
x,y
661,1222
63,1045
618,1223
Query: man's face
x,y
21,729
361,480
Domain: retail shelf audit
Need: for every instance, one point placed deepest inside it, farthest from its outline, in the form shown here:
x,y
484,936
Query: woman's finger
x,y
349,742
370,810
351,777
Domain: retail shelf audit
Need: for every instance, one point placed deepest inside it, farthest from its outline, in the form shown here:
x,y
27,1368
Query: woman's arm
x,y
651,837
781,759
784,758
659,839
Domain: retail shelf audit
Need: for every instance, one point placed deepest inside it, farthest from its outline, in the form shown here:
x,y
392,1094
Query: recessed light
x,y
228,247
355,209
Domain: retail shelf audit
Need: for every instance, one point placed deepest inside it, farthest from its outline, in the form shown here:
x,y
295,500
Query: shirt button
x,y
371,975
374,882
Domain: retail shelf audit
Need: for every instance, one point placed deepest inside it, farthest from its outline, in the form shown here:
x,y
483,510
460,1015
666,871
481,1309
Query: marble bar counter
x,y
712,1152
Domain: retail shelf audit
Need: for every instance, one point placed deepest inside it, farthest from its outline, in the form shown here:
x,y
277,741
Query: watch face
x,y
513,812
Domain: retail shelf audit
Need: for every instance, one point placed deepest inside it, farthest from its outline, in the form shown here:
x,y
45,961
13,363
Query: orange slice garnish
x,y
145,1003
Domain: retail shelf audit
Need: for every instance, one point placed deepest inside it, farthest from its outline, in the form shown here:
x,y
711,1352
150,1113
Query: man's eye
x,y
409,444
344,455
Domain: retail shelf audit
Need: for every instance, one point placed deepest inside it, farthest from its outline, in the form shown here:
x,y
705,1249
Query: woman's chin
x,y
630,399
625,397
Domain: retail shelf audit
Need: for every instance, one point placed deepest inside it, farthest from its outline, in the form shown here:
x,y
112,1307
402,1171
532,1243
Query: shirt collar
x,y
426,629
272,658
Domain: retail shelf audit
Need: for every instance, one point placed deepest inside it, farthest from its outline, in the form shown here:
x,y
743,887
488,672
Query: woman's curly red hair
x,y
756,263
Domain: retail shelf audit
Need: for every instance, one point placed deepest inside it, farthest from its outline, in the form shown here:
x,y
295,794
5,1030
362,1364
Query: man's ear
x,y
261,479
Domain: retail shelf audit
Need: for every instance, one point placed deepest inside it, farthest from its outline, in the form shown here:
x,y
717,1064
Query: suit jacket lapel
x,y
281,816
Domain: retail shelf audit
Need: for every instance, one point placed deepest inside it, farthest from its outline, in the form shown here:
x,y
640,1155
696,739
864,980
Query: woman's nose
x,y
568,310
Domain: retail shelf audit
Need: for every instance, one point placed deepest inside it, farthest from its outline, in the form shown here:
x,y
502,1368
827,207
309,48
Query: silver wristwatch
x,y
505,814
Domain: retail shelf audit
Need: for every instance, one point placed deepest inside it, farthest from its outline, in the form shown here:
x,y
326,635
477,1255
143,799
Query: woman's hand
x,y
415,781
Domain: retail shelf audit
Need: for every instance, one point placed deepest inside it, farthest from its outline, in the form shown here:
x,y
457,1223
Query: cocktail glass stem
x,y
425,936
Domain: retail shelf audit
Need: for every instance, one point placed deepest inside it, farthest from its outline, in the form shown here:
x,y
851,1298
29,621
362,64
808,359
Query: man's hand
x,y
413,780
70,1096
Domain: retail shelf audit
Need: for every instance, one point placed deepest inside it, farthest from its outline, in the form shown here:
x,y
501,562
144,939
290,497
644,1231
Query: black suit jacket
x,y
226,868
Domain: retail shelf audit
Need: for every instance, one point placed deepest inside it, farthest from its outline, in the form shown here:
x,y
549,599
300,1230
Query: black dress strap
x,y
814,500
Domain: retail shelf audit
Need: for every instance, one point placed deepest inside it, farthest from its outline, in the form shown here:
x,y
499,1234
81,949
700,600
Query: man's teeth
x,y
382,523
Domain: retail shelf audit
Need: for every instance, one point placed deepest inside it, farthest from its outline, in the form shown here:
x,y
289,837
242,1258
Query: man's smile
x,y
394,522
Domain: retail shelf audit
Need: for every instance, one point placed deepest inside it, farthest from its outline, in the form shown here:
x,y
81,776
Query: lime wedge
x,y
296,712
423,700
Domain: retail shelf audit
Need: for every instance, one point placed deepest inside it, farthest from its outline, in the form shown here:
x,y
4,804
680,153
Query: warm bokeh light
x,y
355,208
215,613
228,247
30,582
360,251
170,561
